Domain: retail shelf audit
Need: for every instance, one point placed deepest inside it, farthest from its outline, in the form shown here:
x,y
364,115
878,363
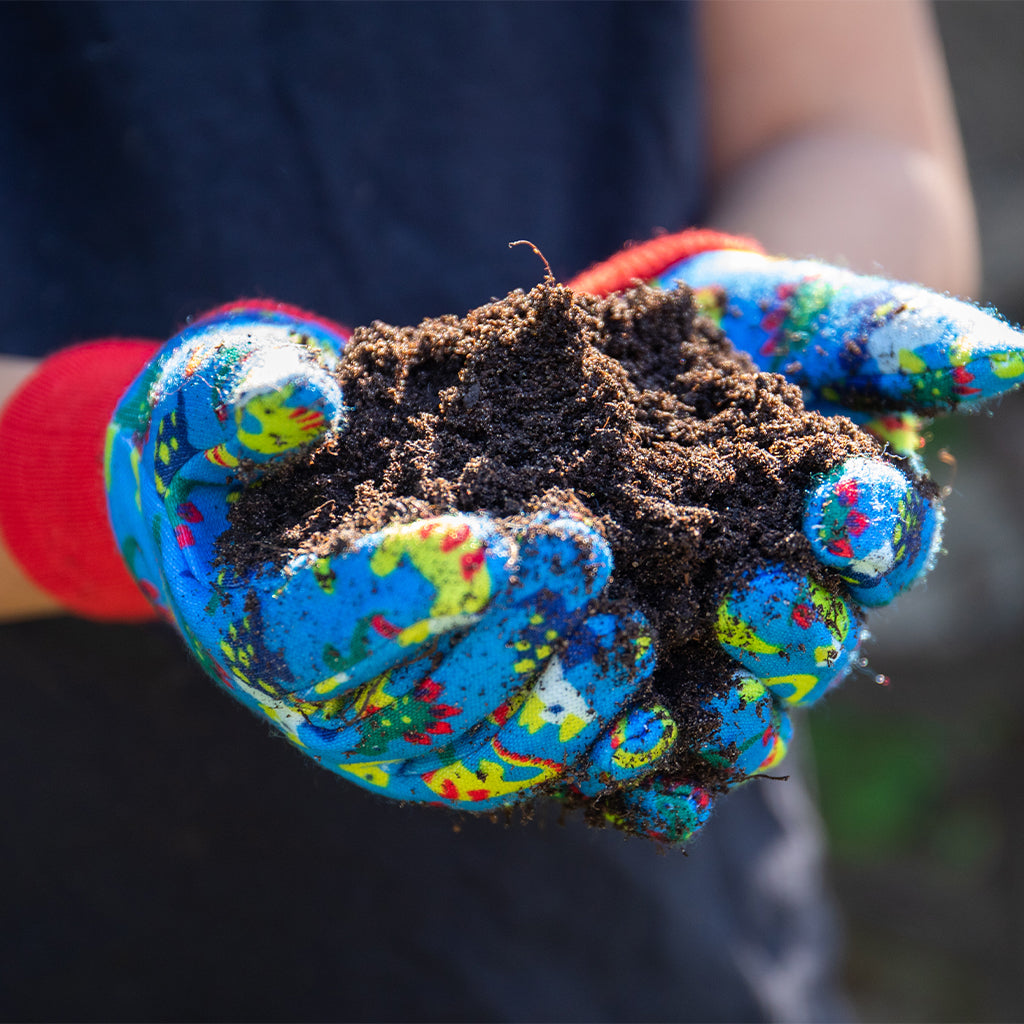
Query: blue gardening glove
x,y
883,353
862,346
460,660
453,660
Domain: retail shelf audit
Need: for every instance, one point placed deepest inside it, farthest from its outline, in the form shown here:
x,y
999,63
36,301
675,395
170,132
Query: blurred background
x,y
919,778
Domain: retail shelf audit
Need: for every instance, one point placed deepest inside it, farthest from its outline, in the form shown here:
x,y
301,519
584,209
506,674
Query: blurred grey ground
x,y
919,779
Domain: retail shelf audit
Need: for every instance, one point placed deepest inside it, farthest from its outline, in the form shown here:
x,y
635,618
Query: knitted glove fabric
x,y
877,351
860,344
448,660
52,502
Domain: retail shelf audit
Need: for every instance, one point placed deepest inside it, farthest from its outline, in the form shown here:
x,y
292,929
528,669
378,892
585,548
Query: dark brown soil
x,y
632,409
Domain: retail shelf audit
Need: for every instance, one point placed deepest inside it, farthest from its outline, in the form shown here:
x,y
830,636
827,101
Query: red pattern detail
x,y
216,456
223,676
773,320
454,537
183,535
478,794
962,377
384,628
857,523
189,513
847,491
803,616
428,690
308,419
841,547
529,760
471,563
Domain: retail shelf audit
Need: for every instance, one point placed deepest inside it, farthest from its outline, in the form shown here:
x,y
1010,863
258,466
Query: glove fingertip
x,y
875,526
670,811
256,308
629,749
790,632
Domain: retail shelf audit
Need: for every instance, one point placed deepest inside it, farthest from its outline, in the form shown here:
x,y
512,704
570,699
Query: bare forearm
x,y
832,133
862,201
19,597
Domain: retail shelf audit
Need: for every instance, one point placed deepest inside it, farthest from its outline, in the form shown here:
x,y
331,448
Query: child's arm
x,y
19,597
832,132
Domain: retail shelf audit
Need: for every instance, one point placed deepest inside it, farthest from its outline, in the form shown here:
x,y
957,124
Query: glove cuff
x,y
642,261
53,509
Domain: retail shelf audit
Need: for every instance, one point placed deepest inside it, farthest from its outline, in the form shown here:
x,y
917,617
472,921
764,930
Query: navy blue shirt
x,y
164,857
366,161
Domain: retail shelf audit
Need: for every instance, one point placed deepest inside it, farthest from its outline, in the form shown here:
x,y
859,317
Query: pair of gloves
x,y
450,661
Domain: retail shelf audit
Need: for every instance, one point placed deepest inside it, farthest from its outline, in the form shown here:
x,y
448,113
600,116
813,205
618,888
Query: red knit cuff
x,y
53,509
644,260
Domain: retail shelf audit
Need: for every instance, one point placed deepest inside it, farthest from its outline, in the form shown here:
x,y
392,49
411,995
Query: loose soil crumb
x,y
633,410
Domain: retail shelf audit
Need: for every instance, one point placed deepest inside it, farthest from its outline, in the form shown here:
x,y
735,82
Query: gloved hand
x,y
448,660
884,354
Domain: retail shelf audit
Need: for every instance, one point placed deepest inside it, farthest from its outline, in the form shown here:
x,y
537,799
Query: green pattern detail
x,y
324,575
802,313
358,649
407,717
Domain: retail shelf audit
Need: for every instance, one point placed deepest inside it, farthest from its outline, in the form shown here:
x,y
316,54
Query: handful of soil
x,y
633,409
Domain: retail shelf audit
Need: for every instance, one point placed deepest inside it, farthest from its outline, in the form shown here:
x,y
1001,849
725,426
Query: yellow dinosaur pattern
x,y
447,554
281,426
734,632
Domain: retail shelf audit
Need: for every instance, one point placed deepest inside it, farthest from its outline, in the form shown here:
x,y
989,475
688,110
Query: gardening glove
x,y
449,660
886,354
878,351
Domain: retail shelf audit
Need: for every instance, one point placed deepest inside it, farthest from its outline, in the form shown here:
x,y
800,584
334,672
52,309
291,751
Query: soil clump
x,y
633,410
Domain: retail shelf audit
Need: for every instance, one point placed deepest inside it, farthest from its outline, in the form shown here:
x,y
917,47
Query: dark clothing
x,y
165,857
367,161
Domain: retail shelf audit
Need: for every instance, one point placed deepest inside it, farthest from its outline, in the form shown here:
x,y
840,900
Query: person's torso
x,y
368,161
168,858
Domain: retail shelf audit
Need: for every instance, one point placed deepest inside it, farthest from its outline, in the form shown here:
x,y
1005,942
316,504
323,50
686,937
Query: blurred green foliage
x,y
888,790
880,781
